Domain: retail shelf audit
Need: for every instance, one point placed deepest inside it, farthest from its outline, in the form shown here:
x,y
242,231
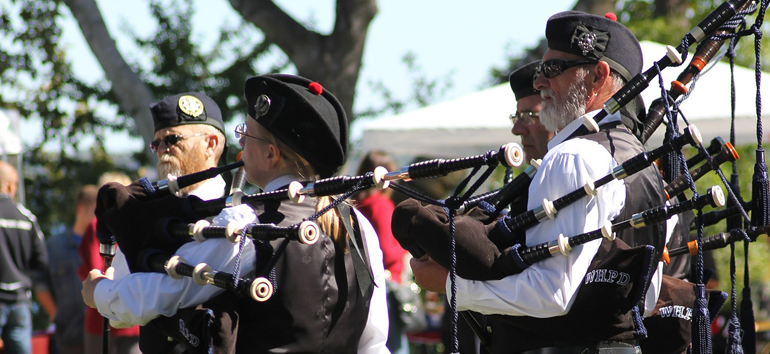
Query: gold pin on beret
x,y
190,105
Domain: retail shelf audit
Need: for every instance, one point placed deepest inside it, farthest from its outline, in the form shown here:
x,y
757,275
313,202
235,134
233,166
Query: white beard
x,y
168,165
555,115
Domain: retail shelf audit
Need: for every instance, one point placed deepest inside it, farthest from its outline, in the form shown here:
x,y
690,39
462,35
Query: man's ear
x,y
597,78
213,143
602,73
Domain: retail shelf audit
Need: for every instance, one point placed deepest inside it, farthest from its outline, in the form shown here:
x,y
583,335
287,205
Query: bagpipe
x,y
720,240
725,153
668,106
481,255
173,221
704,53
174,185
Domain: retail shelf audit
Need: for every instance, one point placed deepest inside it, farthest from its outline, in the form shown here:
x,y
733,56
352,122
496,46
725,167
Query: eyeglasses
x,y
172,139
240,130
552,68
526,117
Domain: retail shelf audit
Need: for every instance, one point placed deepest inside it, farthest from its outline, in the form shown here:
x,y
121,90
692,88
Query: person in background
x,y
22,250
122,340
59,294
377,206
526,121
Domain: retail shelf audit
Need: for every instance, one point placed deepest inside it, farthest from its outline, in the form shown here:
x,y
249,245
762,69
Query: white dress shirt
x,y
548,288
140,297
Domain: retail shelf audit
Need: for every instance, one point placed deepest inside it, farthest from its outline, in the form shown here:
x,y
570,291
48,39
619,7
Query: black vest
x,y
644,189
316,306
605,307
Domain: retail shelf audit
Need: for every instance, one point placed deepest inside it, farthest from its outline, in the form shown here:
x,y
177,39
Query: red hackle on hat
x,y
316,88
611,16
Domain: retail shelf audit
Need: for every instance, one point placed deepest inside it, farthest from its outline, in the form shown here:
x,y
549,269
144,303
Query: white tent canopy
x,y
478,122
10,142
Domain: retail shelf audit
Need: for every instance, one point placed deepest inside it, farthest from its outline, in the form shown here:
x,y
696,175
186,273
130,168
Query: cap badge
x,y
591,43
586,42
262,106
191,105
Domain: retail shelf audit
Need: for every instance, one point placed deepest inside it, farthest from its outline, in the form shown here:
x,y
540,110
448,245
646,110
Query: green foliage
x,y
36,79
179,63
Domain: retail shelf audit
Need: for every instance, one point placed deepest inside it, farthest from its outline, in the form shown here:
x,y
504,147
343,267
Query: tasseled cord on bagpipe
x,y
760,214
450,206
701,320
741,329
761,205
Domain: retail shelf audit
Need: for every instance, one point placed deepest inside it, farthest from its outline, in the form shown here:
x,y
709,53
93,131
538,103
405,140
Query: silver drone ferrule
x,y
619,172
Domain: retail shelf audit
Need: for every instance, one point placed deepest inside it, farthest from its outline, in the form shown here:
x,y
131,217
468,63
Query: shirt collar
x,y
213,188
565,133
280,182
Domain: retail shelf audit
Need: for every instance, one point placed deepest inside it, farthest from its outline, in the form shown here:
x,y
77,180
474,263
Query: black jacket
x,y
22,249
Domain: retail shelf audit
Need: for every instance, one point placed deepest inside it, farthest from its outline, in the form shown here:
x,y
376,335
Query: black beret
x,y
595,37
522,80
186,108
304,116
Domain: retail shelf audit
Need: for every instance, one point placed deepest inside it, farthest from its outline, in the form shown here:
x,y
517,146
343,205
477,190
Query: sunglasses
x,y
526,117
552,68
240,131
172,139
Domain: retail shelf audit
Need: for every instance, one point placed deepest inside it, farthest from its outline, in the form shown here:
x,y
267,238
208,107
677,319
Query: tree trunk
x,y
132,94
333,60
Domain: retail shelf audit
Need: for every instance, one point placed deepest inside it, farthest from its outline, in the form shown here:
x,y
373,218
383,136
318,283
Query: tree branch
x,y
334,60
132,94
279,28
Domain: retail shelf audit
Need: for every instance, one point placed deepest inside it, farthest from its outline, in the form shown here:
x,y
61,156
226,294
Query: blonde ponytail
x,y
329,222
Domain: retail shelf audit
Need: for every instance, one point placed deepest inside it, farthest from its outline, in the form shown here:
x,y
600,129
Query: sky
x,y
451,40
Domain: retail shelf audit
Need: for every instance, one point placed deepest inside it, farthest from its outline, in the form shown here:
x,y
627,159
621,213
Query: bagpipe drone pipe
x,y
506,231
509,155
144,222
510,193
703,54
478,257
725,153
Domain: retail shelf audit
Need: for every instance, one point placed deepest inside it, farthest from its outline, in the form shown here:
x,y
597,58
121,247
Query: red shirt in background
x,y
378,208
89,254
